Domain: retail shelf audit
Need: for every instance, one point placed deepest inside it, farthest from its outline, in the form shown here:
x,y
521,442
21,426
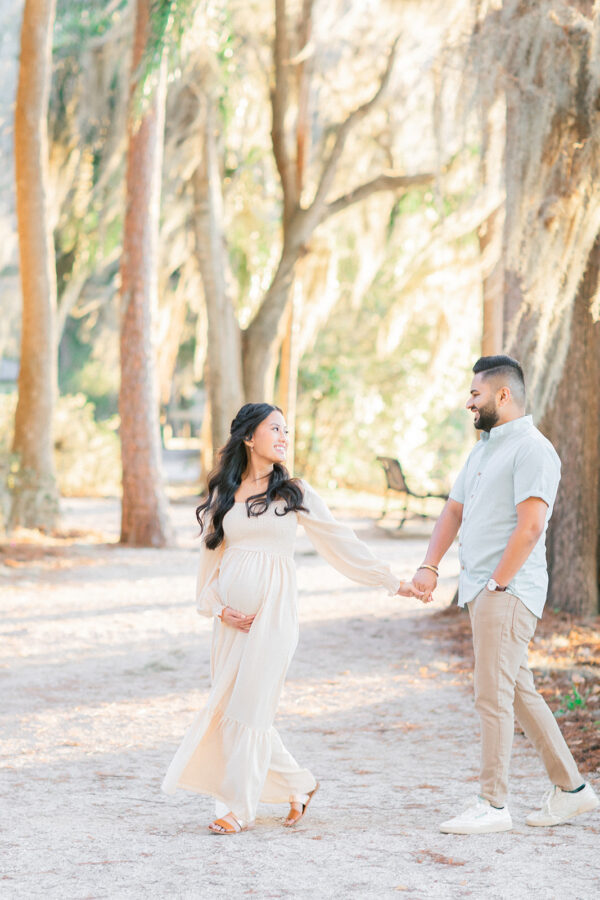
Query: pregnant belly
x,y
243,581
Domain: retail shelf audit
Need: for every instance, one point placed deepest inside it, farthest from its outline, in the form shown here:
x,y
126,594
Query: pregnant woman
x,y
247,581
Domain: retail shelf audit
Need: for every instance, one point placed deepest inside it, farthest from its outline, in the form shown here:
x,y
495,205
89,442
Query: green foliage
x,y
389,373
87,452
34,500
89,365
8,466
78,21
24,497
168,22
572,700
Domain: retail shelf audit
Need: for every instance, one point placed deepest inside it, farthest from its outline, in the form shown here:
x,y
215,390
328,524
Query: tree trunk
x,y
226,394
262,339
573,425
144,514
290,350
550,254
35,499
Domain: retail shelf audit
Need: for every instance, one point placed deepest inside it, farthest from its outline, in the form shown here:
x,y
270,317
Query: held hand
x,y
236,619
408,589
425,581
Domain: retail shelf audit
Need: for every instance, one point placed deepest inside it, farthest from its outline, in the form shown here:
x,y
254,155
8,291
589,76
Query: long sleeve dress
x,y
232,751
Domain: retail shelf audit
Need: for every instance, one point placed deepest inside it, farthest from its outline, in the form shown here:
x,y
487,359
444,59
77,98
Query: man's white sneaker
x,y
559,806
479,818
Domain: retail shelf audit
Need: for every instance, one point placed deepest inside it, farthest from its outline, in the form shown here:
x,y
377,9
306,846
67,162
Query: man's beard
x,y
488,417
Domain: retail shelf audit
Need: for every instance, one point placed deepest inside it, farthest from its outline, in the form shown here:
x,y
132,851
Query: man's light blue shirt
x,y
512,462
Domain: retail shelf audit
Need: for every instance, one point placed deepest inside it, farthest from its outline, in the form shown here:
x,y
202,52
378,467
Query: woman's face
x,y
270,439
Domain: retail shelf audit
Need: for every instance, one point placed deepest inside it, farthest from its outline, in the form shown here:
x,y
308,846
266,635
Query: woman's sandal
x,y
294,815
226,826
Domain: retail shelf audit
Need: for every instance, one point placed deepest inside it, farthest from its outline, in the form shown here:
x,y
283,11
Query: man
x,y
501,502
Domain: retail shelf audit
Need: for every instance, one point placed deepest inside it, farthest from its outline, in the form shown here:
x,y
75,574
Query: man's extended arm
x,y
445,531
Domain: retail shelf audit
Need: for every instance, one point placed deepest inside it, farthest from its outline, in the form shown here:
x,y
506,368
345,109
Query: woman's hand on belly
x,y
236,619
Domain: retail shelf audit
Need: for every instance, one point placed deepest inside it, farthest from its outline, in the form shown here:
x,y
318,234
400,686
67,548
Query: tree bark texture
x,y
262,339
35,497
572,423
144,515
552,175
225,386
550,72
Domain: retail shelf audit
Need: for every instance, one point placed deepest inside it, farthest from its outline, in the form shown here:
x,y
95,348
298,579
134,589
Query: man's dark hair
x,y
504,367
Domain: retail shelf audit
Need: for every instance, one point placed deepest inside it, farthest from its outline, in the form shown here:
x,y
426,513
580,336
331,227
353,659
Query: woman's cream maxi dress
x,y
231,750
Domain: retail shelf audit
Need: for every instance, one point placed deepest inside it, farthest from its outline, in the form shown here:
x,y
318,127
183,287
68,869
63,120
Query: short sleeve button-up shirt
x,y
509,464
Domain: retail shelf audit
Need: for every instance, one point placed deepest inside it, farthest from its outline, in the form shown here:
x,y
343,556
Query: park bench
x,y
396,482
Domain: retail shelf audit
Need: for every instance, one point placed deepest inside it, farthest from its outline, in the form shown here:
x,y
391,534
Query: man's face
x,y
482,403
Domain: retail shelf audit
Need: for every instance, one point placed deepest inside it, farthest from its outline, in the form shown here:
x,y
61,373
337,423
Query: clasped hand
x,y
410,589
421,586
425,582
236,619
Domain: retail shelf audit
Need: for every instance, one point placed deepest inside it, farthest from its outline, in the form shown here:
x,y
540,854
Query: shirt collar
x,y
501,431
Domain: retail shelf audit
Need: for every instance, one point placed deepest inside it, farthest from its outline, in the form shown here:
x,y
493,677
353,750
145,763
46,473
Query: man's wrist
x,y
431,567
493,586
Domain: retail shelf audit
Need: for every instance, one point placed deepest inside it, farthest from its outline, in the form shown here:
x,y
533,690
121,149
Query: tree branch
x,y
303,73
279,106
341,135
384,182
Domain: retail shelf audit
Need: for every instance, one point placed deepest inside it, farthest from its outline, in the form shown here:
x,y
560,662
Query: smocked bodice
x,y
270,533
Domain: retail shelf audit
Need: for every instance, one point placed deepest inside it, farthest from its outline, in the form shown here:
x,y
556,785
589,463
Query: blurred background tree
x,y
542,61
34,491
144,516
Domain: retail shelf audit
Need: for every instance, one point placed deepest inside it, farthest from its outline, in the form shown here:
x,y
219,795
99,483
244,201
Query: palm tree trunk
x,y
144,515
35,497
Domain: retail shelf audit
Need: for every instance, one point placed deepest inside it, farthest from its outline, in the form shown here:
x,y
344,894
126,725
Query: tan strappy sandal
x,y
294,815
225,826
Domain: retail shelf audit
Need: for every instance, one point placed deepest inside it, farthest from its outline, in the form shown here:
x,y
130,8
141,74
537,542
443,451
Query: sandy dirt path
x,y
104,663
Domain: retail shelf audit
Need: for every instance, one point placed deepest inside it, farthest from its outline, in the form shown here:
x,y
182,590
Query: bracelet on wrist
x,y
433,569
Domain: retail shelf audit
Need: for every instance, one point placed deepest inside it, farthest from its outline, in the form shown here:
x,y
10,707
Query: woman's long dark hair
x,y
226,478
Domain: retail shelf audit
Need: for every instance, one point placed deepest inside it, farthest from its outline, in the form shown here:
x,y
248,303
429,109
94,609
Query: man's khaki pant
x,y
502,628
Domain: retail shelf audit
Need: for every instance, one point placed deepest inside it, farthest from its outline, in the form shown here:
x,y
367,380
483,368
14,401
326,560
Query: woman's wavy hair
x,y
226,478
